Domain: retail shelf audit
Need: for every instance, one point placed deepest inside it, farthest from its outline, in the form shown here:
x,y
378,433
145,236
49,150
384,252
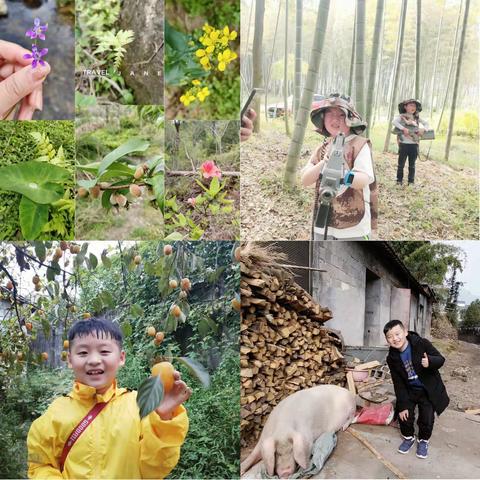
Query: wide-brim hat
x,y
353,120
401,105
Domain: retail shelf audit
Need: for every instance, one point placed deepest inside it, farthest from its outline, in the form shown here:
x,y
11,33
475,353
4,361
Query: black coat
x,y
430,377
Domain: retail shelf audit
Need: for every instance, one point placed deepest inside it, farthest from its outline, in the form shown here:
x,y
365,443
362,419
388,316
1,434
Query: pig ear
x,y
268,455
302,449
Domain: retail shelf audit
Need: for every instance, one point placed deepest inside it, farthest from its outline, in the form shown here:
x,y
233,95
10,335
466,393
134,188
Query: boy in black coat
x,y
414,364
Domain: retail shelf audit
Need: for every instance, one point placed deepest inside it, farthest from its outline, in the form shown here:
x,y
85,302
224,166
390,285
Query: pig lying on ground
x,y
294,424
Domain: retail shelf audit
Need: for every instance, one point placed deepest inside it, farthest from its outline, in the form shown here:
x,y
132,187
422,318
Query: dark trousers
x,y
410,151
426,416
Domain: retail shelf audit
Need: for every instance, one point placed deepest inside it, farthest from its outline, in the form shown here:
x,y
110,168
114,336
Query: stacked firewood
x,y
284,345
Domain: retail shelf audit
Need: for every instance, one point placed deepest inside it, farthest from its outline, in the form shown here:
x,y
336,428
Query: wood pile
x,y
284,345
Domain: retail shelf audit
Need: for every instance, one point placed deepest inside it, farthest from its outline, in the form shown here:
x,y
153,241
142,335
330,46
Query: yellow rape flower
x,y
196,82
200,53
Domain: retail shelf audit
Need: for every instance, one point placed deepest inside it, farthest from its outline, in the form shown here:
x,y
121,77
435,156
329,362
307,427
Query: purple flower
x,y
38,31
37,56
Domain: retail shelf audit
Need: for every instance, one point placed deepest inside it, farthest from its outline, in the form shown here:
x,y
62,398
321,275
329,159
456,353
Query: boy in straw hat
x,y
353,211
409,138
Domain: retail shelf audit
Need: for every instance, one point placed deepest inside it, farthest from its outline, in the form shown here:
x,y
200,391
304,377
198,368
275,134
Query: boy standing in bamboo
x,y
412,128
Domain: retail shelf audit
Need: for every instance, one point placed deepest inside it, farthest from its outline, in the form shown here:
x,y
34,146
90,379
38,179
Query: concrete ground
x,y
453,453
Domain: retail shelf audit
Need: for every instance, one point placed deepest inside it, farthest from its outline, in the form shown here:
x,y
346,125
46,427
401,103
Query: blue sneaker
x,y
422,449
406,445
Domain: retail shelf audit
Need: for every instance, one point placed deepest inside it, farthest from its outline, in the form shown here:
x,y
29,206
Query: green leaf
x,y
126,329
52,270
33,216
136,310
149,395
93,261
132,145
40,251
87,183
158,185
107,299
174,236
36,180
107,263
197,370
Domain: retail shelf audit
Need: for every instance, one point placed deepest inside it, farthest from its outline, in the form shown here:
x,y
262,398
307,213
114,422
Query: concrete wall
x,y
364,293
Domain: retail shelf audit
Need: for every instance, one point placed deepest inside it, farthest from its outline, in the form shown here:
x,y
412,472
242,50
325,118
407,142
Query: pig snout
x,y
285,464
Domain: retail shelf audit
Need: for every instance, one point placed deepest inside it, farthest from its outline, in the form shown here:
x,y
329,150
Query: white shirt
x,y
363,163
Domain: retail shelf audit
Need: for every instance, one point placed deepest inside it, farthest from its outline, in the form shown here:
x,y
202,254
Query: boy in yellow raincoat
x,y
95,431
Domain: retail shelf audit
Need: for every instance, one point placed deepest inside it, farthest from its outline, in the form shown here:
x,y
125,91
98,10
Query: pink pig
x,y
295,423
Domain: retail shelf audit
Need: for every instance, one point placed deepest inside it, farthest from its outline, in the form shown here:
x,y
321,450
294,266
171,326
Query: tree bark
x,y
298,57
269,73
457,80
372,78
302,117
352,56
142,66
257,54
359,58
432,86
417,50
393,101
285,73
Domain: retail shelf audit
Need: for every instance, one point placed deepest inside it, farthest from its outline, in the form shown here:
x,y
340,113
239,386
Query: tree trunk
x,y
417,51
298,57
269,73
352,56
142,65
257,54
457,79
393,100
285,73
302,117
450,70
432,86
372,78
380,77
359,58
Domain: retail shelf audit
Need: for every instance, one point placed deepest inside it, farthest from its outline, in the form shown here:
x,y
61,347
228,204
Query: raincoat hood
x,y
353,120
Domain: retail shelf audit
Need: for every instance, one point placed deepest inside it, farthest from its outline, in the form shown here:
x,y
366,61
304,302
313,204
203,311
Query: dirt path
x,y
443,204
461,373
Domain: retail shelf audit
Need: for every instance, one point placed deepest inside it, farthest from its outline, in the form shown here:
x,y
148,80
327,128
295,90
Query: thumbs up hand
x,y
425,360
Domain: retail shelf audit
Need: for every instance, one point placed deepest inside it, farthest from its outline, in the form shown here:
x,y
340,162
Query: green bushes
x,y
212,446
26,399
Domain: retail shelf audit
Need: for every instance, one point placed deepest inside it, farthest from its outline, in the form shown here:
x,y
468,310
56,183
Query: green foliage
x,y
471,317
224,13
31,166
466,124
98,37
112,44
26,399
213,442
430,262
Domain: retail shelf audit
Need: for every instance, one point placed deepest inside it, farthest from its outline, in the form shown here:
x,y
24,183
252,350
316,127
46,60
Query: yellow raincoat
x,y
115,445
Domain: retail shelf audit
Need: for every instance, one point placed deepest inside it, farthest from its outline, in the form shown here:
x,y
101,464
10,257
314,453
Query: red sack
x,y
375,415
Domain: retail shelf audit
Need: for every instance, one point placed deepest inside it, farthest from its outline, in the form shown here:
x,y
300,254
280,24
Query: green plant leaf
x,y
174,236
107,263
93,261
126,329
36,180
132,145
197,370
136,310
40,251
33,216
149,395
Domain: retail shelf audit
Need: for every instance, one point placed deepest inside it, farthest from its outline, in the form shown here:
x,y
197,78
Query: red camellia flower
x,y
210,170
